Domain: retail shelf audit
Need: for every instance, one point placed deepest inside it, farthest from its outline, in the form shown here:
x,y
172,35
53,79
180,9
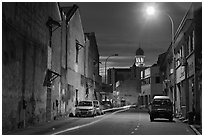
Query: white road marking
x,y
88,124
132,132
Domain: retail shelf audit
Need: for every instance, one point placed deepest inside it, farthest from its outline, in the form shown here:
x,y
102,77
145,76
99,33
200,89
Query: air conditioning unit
x,y
183,61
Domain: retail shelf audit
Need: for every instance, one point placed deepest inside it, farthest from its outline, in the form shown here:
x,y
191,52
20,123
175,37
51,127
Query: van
x,y
85,108
161,107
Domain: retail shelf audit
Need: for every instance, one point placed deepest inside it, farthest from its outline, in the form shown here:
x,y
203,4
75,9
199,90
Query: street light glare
x,y
150,10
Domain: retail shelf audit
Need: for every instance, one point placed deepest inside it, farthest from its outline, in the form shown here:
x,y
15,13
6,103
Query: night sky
x,y
121,27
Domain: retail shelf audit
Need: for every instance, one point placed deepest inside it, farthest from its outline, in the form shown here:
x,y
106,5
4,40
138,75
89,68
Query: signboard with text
x,y
191,65
147,73
180,74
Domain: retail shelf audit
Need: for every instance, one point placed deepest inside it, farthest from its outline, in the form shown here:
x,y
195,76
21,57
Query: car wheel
x,y
151,118
171,119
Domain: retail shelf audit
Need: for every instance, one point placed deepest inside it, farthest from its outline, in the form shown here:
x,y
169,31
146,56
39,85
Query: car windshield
x,y
106,102
85,103
95,102
161,102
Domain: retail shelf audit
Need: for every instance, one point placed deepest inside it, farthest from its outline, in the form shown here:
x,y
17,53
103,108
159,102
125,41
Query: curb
x,y
195,130
192,127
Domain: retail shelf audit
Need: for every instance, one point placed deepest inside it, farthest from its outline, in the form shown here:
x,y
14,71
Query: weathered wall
x,y
128,91
75,71
24,54
92,65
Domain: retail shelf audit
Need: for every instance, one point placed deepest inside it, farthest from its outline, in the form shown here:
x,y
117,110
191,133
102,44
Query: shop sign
x,y
117,84
180,74
147,73
191,64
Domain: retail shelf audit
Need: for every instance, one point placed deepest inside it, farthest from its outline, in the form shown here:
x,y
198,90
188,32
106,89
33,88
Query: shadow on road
x,y
164,120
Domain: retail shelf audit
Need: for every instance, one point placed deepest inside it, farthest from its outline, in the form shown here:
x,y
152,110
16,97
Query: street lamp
x,y
106,62
151,11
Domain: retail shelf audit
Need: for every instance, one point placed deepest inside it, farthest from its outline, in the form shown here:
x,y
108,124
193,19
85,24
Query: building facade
x,y
25,61
92,67
188,51
45,59
126,81
151,84
73,84
188,66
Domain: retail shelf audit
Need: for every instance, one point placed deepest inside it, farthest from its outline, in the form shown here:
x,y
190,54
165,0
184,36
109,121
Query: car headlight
x,y
90,109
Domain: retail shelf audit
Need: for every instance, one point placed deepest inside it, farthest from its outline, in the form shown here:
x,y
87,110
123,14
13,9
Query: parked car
x,y
161,107
85,108
106,104
99,109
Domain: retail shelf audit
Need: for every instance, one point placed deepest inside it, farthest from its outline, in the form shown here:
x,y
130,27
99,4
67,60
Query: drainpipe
x,y
66,45
23,85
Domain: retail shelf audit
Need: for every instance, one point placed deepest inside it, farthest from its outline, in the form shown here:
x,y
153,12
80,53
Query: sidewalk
x,y
42,128
195,127
52,126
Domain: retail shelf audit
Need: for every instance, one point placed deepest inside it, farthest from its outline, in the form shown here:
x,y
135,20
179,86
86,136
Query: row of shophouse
x,y
180,79
48,63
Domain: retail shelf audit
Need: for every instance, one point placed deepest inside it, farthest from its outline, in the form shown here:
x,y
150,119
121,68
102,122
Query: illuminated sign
x,y
147,73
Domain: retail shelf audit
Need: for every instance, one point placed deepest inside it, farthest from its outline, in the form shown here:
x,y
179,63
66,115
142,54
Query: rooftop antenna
x,y
139,45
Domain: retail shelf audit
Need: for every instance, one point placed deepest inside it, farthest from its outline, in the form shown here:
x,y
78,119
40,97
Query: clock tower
x,y
139,58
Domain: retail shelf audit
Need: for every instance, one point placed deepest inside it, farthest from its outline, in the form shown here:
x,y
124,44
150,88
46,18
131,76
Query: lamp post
x,y
151,11
106,62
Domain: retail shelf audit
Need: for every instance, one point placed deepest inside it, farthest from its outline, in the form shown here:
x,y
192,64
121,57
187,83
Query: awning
x,y
49,77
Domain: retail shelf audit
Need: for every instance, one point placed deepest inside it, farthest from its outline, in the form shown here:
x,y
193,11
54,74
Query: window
x,y
191,43
157,79
76,103
78,47
179,55
145,81
77,53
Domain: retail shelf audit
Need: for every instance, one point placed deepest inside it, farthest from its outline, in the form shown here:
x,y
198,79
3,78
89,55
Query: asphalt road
x,y
129,122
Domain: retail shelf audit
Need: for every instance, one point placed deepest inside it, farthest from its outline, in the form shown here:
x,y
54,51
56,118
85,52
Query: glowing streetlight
x,y
150,10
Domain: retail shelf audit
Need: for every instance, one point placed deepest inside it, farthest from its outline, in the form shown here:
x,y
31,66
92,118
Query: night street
x,y
131,122
102,68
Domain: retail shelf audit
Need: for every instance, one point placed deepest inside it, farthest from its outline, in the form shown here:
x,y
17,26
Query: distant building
x,y
126,81
151,84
